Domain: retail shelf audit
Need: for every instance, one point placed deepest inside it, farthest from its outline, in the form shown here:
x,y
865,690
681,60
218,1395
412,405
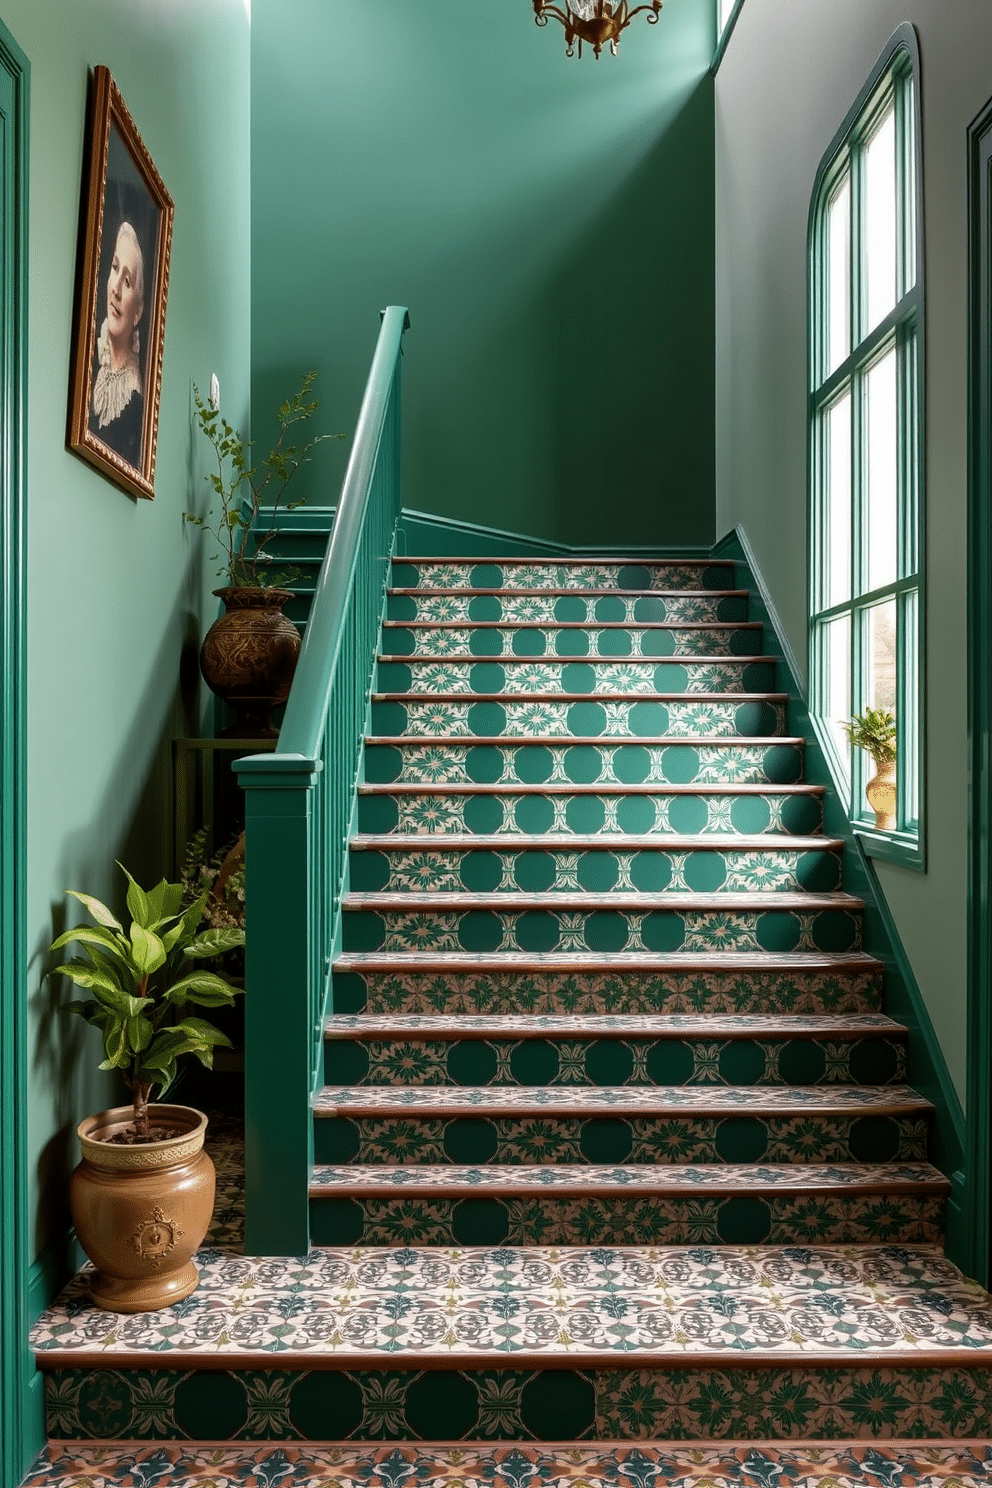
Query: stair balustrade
x,y
298,805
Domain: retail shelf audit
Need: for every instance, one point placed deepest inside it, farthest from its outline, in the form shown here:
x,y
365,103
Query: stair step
x,y
564,814
568,640
531,1050
568,606
680,716
592,983
574,676
957,1464
600,573
449,864
570,1204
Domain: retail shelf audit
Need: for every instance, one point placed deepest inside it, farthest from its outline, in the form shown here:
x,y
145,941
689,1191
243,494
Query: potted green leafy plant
x,y
874,730
249,654
142,1196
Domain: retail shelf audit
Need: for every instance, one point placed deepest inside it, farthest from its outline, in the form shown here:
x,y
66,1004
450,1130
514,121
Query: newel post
x,y
280,976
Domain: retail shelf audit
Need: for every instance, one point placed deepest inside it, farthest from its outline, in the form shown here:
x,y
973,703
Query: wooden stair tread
x,y
611,741
557,962
466,657
469,624
599,1025
606,841
621,1100
517,899
607,695
637,1180
569,788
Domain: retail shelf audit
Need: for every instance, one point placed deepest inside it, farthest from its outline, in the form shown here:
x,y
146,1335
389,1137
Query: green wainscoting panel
x,y
21,1410
926,1066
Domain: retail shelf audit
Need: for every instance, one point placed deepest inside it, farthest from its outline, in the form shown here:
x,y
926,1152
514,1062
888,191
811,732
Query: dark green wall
x,y
548,221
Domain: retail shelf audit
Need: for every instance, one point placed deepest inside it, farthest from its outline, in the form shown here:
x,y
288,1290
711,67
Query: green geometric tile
x,y
535,640
438,676
606,763
573,574
677,718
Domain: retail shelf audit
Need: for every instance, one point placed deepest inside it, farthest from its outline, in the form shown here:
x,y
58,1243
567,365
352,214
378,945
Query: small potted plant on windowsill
x,y
249,654
142,1196
874,730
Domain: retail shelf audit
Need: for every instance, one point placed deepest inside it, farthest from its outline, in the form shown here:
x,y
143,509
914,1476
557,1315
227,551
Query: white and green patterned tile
x,y
515,675
519,641
459,574
641,717
468,990
575,606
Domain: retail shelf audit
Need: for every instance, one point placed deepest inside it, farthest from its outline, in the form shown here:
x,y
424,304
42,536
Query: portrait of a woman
x,y
118,404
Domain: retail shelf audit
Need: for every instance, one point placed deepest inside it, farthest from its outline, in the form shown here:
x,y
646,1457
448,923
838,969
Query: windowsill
x,y
904,848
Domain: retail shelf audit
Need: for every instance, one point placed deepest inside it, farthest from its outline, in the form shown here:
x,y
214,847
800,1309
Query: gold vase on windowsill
x,y
874,731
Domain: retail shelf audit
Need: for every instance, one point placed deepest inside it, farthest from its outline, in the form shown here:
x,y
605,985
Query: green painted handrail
x,y
298,808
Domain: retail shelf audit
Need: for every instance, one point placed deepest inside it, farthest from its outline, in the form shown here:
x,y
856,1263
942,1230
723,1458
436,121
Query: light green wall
x,y
767,153
116,589
549,223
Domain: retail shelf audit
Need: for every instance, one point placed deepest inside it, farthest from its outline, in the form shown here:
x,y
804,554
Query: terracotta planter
x,y
140,1212
249,656
881,793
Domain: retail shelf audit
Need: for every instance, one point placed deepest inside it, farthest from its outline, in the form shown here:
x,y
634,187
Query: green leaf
x,y
204,988
165,901
199,1028
139,1033
99,911
148,951
85,974
115,1046
92,935
186,927
137,900
214,943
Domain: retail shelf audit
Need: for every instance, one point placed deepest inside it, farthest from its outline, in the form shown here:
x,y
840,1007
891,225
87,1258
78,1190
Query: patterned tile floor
x,y
569,1305
963,1464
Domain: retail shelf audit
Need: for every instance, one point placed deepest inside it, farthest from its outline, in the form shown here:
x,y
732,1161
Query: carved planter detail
x,y
249,656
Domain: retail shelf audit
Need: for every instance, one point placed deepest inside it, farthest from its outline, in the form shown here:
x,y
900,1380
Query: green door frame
x,y
17,1438
979,1092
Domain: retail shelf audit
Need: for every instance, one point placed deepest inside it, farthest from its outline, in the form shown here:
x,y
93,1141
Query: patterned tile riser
x,y
637,718
534,813
658,930
591,764
658,871
963,1465
704,1404
576,608
604,1061
636,678
630,991
458,574
573,1139
616,645
702,1220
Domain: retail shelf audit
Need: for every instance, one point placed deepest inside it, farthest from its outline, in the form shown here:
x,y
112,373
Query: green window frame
x,y
866,465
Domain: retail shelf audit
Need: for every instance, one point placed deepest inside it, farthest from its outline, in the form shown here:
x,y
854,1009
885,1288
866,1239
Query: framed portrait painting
x,y
123,279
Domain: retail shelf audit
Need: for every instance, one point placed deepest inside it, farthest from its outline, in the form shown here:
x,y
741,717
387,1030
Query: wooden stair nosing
x,y
593,659
517,899
553,560
606,696
645,1180
605,842
414,1027
563,962
595,788
613,741
649,1102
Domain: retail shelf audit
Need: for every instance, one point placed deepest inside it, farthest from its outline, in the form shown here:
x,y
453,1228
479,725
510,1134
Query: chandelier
x,y
594,22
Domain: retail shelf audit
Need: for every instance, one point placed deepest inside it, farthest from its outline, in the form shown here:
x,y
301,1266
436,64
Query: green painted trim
x,y
895,77
57,1264
927,1067
728,29
21,1427
736,545
428,535
979,1095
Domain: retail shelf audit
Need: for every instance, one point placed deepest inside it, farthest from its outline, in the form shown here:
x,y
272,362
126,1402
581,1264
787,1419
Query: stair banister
x,y
298,804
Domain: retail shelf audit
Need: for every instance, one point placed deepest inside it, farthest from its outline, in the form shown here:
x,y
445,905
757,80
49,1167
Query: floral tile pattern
x,y
550,606
446,639
531,813
593,1178
906,1465
465,574
555,1303
515,675
564,719
597,990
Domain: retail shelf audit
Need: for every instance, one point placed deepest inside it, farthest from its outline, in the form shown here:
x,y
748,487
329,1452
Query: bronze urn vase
x,y
249,656
141,1210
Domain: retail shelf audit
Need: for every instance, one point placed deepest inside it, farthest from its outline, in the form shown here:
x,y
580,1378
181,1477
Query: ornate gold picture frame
x,y
125,242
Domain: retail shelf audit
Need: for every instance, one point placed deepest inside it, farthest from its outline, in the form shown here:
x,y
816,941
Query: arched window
x,y
866,433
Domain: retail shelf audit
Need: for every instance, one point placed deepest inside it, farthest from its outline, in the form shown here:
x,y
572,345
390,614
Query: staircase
x,y
615,1143
600,979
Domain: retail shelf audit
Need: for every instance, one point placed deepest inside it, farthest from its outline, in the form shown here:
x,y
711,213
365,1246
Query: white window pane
x,y
837,684
882,471
838,501
880,219
726,6
909,725
882,656
838,280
